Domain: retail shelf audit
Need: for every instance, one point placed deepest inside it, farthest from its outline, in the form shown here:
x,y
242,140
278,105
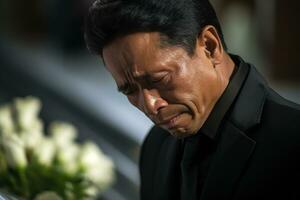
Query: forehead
x,y
132,46
140,54
133,53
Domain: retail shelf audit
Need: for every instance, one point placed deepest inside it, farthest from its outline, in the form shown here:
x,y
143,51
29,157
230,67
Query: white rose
x,y
6,120
48,195
37,125
45,151
31,138
62,133
90,154
27,111
14,151
68,156
97,167
92,192
102,177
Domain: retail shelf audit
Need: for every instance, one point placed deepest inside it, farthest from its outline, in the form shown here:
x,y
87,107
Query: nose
x,y
151,102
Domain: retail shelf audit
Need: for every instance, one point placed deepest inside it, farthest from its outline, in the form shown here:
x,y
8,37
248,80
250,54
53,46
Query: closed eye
x,y
159,79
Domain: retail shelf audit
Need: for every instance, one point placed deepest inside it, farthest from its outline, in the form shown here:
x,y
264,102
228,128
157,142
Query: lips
x,y
167,117
170,121
176,121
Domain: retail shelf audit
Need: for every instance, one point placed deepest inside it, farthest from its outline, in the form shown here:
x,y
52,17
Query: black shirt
x,y
199,148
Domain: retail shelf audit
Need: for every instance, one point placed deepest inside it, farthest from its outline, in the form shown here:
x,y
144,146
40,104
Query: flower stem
x,y
24,183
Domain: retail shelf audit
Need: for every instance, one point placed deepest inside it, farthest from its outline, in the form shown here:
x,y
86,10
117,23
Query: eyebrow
x,y
122,88
125,86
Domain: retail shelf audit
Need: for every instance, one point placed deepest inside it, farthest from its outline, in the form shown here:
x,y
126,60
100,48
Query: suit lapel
x,y
231,157
235,147
167,175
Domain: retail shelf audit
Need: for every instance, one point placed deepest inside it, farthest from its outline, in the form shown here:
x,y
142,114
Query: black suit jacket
x,y
257,155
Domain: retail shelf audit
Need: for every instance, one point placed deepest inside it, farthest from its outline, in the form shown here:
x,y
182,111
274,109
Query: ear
x,y
209,40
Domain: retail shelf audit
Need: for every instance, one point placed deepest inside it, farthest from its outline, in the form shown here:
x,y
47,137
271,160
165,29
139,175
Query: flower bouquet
x,y
37,166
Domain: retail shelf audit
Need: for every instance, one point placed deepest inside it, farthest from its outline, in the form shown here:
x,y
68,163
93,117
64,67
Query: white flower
x,y
90,154
37,125
6,120
63,133
92,192
27,111
68,156
45,151
97,167
14,151
102,177
31,138
22,136
48,195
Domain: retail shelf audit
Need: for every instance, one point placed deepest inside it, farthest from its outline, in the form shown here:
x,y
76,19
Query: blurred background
x,y
42,53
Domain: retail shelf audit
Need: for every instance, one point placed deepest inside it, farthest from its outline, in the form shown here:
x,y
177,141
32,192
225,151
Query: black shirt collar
x,y
213,122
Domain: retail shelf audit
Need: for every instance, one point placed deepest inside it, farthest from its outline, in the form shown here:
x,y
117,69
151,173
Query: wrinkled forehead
x,y
128,52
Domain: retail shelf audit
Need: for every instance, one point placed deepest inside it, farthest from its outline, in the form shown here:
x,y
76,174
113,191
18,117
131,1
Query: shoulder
x,y
278,100
280,124
283,111
152,142
282,118
149,156
151,146
258,101
155,136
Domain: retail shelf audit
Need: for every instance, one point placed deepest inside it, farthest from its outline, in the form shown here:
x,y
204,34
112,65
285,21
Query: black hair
x,y
179,21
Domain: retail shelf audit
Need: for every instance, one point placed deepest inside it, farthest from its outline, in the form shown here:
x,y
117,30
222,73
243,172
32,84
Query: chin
x,y
181,133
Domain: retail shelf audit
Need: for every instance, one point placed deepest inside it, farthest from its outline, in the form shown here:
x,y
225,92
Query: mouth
x,y
172,116
170,122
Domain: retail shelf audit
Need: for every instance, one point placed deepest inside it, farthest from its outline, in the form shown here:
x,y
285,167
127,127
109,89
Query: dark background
x,y
42,53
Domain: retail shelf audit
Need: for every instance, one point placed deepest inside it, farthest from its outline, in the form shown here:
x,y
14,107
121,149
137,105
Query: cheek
x,y
187,86
192,89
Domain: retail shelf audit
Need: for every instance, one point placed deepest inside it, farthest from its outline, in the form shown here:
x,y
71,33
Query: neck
x,y
224,71
228,68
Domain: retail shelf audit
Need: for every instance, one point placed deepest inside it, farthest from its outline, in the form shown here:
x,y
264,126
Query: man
x,y
220,132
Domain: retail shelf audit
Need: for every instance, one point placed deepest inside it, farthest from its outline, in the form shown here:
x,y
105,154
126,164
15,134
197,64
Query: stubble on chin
x,y
180,133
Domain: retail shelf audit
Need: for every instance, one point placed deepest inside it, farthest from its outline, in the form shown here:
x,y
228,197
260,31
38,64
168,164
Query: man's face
x,y
175,90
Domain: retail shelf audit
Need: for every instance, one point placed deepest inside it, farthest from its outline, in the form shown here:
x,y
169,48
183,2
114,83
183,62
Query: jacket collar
x,y
221,108
235,148
249,104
